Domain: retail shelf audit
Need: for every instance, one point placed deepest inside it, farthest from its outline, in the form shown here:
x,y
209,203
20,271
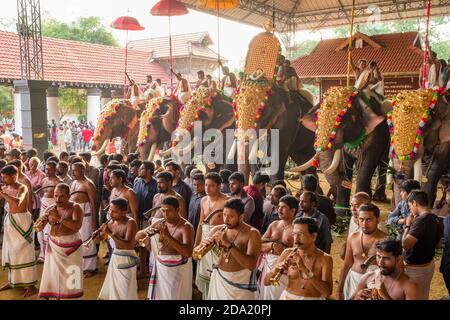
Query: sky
x,y
234,36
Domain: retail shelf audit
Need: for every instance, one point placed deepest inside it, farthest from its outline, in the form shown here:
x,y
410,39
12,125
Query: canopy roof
x,y
294,15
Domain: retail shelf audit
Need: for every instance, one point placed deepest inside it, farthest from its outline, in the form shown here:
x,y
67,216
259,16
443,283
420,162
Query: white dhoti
x,y
423,276
205,265
89,253
238,285
62,277
229,91
183,97
45,233
171,275
351,283
290,296
267,263
18,255
120,281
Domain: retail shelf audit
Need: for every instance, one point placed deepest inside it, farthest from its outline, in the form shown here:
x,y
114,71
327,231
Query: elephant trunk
x,y
325,160
102,149
334,163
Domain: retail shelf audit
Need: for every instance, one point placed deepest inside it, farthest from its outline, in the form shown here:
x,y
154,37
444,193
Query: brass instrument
x,y
37,226
201,250
95,234
148,235
276,276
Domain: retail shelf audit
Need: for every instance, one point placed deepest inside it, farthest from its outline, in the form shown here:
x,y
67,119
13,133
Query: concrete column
x,y
17,112
33,98
93,104
52,104
105,97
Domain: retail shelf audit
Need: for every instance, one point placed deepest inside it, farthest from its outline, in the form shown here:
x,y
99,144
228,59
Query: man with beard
x,y
82,191
171,251
164,181
211,215
276,194
276,239
309,269
389,282
18,238
237,182
61,276
178,185
234,278
62,170
47,200
120,190
360,247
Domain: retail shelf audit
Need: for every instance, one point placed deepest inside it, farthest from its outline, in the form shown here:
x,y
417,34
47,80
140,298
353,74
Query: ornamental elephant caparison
x,y
348,132
420,131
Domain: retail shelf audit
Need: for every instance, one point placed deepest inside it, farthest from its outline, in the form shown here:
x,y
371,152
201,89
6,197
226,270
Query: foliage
x,y
83,29
6,102
341,225
303,48
73,101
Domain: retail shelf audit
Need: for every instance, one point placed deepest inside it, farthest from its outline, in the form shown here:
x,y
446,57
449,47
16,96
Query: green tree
x,y
304,48
6,102
72,101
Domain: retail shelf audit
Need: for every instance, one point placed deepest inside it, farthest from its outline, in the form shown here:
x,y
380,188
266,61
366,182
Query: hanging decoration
x,y
109,111
146,120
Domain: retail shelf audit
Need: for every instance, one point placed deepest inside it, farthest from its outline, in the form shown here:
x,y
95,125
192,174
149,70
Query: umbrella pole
x,y
126,65
350,45
171,60
425,53
218,42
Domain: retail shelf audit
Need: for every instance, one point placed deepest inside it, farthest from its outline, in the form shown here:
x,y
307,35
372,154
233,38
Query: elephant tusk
x,y
304,166
102,149
335,163
151,155
418,170
233,150
390,175
190,146
252,154
164,154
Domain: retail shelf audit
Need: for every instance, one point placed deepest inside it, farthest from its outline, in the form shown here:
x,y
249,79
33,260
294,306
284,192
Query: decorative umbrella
x,y
129,24
168,8
218,5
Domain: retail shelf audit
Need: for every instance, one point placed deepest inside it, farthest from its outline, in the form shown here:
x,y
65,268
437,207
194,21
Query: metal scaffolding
x,y
30,35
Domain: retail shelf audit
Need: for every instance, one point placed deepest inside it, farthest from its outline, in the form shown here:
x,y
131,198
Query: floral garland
x,y
146,120
419,134
109,111
337,122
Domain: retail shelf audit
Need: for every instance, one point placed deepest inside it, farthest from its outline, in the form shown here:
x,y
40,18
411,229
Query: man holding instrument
x,y
47,200
164,181
235,275
62,274
211,215
309,269
83,192
18,238
172,241
276,239
120,282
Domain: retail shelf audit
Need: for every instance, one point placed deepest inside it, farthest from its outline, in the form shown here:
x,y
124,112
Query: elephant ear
x,y
370,119
308,122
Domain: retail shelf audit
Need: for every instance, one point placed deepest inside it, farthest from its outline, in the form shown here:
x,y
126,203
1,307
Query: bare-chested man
x,y
211,214
360,247
23,179
277,238
234,278
83,192
389,282
309,269
171,251
120,190
164,180
120,282
47,200
18,237
62,276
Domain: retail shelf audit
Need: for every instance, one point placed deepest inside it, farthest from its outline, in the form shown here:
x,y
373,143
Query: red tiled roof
x,y
79,62
397,55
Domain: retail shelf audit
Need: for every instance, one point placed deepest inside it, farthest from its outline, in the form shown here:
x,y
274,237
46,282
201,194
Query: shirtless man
x,y
18,238
120,190
309,270
171,248
212,202
183,89
164,181
240,244
120,282
82,191
360,247
277,238
47,200
65,252
390,281
23,179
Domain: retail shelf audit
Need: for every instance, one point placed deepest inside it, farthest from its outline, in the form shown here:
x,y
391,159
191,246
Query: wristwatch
x,y
308,276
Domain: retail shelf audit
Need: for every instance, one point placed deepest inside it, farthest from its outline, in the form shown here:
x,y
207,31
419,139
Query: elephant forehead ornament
x,y
411,111
200,99
335,103
109,111
146,120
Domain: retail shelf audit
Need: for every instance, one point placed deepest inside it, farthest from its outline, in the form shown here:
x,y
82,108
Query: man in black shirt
x,y
145,188
178,185
423,231
198,184
275,195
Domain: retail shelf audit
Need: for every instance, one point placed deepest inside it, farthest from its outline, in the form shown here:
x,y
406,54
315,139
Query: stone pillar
x,y
93,104
105,97
17,112
52,104
34,113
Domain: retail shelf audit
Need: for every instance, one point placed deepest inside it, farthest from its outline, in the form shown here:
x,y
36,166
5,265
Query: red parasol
x,y
129,24
169,8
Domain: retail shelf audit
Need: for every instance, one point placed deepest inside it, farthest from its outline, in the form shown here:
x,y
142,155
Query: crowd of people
x,y
70,136
191,233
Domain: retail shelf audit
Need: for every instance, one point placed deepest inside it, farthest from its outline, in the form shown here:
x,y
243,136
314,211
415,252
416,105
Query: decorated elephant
x,y
348,132
420,138
119,118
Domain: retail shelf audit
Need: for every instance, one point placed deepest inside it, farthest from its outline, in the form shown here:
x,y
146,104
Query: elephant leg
x,y
380,192
437,169
343,193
